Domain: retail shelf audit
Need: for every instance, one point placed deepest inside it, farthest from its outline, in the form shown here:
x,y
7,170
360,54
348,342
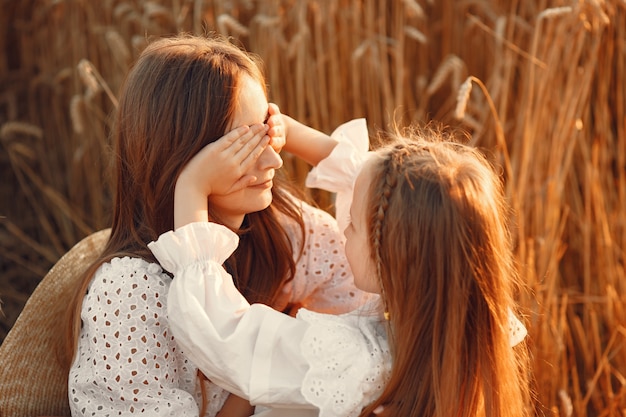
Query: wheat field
x,y
539,85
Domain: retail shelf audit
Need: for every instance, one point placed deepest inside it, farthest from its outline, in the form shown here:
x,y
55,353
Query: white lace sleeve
x,y
349,362
127,361
337,172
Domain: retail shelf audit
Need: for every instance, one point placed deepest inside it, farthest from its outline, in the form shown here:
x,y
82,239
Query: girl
x,y
181,95
427,233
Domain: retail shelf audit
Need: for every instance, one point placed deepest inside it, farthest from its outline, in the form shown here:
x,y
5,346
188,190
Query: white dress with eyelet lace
x,y
128,362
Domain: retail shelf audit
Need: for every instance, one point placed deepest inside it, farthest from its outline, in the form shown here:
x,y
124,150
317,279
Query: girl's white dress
x,y
129,361
314,364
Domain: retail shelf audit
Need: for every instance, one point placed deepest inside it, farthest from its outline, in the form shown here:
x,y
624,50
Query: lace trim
x,y
349,362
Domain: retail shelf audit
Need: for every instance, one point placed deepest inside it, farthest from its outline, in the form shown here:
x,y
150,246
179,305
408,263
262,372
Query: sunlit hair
x,y
437,219
181,95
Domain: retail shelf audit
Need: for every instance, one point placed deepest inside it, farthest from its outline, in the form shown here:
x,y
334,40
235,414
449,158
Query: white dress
x,y
128,361
312,365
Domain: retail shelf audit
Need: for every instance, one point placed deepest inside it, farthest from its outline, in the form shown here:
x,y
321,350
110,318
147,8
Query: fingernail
x,y
379,409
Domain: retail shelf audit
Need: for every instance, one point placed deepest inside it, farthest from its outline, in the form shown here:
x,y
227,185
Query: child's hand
x,y
298,139
278,128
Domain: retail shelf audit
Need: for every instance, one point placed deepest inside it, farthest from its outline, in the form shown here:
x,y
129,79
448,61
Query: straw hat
x,y
32,380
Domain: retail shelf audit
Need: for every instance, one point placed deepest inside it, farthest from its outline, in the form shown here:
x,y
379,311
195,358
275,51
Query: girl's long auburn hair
x,y
180,96
438,233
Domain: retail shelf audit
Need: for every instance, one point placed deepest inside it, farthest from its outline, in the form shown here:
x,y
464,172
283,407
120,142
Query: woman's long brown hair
x,y
438,232
180,96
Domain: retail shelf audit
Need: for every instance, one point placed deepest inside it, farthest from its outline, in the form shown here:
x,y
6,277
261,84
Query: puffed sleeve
x,y
128,362
337,172
252,351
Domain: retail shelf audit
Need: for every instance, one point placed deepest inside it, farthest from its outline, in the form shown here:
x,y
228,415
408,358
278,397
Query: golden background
x,y
547,103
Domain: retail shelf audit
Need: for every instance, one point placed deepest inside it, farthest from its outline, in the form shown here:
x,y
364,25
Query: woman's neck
x,y
232,221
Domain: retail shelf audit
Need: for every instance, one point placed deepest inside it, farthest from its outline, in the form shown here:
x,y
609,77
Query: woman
x,y
183,94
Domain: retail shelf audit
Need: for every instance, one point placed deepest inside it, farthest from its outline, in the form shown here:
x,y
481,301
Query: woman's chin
x,y
266,203
259,204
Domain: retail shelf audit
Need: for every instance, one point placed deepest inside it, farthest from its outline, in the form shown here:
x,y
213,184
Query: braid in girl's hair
x,y
387,185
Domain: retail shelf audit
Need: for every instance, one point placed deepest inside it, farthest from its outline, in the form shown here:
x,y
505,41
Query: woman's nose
x,y
269,159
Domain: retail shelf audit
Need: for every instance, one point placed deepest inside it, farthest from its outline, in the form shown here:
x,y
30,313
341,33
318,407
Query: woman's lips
x,y
263,185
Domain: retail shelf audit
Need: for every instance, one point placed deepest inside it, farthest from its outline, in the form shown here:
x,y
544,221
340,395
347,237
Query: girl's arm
x,y
258,353
251,351
307,143
303,141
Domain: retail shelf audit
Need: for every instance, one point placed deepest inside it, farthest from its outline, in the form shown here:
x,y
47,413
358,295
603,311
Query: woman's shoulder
x,y
123,275
128,289
315,217
317,222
